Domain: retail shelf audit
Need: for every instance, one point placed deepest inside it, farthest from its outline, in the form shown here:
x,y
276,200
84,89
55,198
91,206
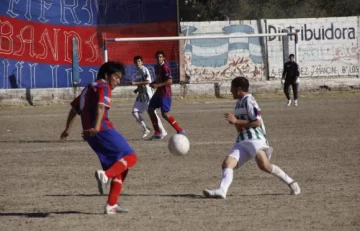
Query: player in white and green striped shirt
x,y
250,143
145,93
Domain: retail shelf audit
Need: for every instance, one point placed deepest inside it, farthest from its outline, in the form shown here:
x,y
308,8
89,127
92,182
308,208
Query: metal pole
x,y
178,26
194,37
105,52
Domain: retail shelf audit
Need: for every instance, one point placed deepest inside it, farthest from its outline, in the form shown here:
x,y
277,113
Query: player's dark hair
x,y
138,57
241,82
291,55
110,68
159,53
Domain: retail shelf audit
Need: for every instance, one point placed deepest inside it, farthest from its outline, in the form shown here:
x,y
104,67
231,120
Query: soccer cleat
x,y
114,209
157,137
214,193
289,103
102,180
295,103
295,189
146,133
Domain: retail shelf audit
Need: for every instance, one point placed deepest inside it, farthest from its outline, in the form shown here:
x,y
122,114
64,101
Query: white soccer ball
x,y
179,145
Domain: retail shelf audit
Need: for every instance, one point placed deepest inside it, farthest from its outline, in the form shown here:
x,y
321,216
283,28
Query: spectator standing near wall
x,y
290,77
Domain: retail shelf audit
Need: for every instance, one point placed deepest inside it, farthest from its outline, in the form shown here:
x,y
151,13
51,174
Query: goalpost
x,y
203,58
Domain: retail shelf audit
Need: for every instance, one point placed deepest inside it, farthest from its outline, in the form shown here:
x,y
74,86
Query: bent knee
x,y
164,115
229,162
264,166
263,162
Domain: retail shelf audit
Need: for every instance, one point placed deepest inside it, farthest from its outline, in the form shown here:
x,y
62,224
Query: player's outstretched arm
x,y
69,122
163,84
140,83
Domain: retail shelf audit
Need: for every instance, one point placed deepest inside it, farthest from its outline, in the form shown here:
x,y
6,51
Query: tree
x,y
211,10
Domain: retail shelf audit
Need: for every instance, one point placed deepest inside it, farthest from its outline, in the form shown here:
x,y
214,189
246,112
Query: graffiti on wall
x,y
208,60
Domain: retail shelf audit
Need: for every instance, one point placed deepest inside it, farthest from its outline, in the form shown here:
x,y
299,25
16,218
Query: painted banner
x,y
36,37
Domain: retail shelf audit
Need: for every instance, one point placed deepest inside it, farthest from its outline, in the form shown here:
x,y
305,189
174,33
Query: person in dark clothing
x,y
290,77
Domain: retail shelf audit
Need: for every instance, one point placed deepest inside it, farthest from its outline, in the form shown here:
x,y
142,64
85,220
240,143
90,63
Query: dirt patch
x,y
47,185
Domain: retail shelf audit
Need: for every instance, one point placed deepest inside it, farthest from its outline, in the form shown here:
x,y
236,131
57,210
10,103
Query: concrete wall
x,y
328,47
210,90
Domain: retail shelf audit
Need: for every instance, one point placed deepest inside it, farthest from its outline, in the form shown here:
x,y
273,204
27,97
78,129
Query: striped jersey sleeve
x,y
253,110
104,95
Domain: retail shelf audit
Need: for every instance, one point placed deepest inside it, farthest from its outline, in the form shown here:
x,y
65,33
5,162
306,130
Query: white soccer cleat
x,y
146,133
295,189
102,180
114,209
214,193
289,103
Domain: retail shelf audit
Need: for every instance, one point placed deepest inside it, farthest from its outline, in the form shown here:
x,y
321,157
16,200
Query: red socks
x,y
173,123
115,190
118,172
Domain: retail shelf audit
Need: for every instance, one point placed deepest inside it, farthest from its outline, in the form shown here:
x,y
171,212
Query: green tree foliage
x,y
211,10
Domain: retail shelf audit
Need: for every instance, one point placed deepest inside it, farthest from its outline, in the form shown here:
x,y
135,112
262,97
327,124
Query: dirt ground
x,y
47,185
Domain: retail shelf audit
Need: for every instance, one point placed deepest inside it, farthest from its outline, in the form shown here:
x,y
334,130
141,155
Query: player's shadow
x,y
188,195
196,196
74,195
193,196
40,141
40,214
259,194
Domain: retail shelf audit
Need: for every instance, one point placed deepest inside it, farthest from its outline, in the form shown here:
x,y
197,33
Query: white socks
x,y
227,178
281,174
161,127
139,119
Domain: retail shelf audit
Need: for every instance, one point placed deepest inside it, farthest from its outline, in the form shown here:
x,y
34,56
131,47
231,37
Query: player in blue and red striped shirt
x,y
162,97
115,154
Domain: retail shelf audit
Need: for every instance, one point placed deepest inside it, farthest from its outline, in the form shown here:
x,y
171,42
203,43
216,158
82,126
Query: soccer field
x,y
48,185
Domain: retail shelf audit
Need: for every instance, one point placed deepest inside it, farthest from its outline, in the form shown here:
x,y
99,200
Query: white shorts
x,y
140,106
247,149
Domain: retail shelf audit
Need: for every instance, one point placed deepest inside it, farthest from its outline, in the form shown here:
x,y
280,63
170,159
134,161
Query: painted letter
x,y
53,45
10,10
23,41
6,38
71,8
43,8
